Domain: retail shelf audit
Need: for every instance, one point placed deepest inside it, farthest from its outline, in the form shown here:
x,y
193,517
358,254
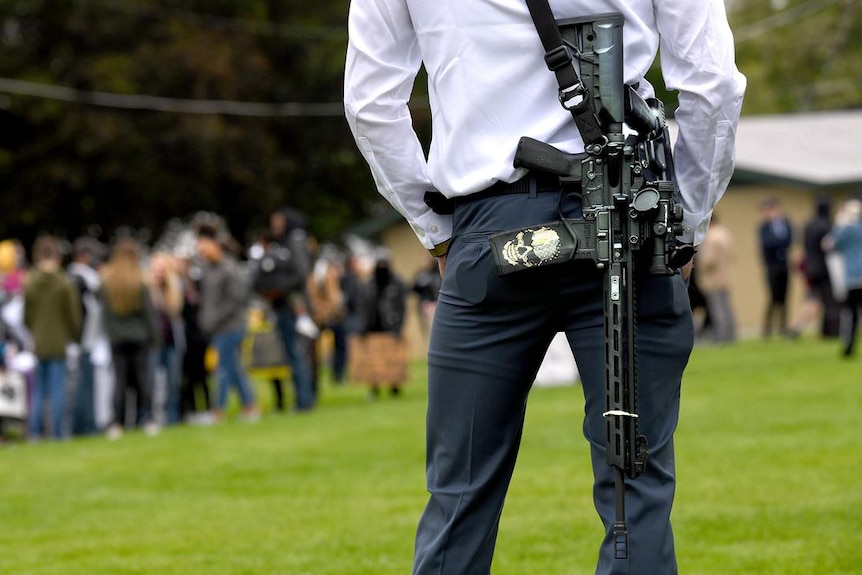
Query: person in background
x,y
282,269
87,252
819,299
131,325
383,311
224,299
195,375
13,272
14,337
166,290
714,262
52,315
13,276
353,285
699,309
426,286
846,239
328,307
776,236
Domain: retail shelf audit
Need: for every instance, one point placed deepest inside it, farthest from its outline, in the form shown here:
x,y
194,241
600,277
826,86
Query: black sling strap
x,y
558,56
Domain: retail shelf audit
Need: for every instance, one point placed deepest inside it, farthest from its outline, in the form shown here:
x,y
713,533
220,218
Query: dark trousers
x,y
83,409
488,338
49,388
822,290
850,320
131,369
777,276
339,351
195,377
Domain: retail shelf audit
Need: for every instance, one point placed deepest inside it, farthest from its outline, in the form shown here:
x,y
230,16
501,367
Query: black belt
x,y
534,181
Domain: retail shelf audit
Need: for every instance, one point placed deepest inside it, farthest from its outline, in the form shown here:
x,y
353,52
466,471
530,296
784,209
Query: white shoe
x,y
152,428
114,432
250,415
202,418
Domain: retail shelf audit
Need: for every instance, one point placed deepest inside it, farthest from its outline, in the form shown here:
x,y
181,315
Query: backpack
x,y
282,268
391,306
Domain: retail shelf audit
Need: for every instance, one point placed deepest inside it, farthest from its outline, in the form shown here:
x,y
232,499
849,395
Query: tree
x,y
799,55
65,166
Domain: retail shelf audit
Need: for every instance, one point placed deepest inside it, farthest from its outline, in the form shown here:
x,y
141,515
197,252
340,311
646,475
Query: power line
x,y
286,109
174,105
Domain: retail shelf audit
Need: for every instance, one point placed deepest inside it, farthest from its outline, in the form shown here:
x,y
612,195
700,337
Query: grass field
x,y
769,454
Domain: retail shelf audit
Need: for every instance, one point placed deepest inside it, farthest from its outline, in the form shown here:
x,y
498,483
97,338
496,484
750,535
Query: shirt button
x,y
434,229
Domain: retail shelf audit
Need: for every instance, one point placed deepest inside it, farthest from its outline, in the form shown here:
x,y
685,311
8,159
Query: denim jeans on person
x,y
296,357
49,386
850,320
169,358
83,408
230,372
339,351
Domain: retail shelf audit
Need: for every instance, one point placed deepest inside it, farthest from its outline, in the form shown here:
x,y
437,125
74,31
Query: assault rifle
x,y
631,215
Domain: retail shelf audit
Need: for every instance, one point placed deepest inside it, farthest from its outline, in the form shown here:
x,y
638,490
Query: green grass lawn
x,y
769,454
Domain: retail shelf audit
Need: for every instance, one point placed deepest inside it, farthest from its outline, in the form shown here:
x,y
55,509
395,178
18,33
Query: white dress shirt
x,y
488,86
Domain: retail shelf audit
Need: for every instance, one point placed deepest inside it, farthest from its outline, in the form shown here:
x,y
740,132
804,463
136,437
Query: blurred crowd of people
x,y
107,338
830,266
103,338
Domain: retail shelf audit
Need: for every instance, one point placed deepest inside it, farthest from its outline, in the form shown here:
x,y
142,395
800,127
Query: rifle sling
x,y
558,57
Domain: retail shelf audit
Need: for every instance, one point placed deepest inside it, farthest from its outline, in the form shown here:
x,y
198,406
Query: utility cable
x,y
175,105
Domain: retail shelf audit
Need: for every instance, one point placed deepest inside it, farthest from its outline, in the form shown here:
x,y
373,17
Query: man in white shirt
x,y
488,86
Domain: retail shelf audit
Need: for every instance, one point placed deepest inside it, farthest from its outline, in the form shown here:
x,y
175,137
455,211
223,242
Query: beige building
x,y
795,158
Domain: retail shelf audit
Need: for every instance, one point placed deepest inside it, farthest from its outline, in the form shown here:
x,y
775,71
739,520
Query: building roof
x,y
820,149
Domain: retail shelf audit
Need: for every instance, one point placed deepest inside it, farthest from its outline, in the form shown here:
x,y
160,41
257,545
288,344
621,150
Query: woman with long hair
x,y
166,289
130,322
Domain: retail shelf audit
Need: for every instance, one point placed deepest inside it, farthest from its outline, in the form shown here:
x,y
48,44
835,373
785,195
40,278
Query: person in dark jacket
x,y
776,236
131,325
224,298
816,271
53,316
280,278
383,312
426,286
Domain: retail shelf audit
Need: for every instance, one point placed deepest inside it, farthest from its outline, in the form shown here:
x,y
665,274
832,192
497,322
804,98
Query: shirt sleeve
x,y
698,60
383,59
